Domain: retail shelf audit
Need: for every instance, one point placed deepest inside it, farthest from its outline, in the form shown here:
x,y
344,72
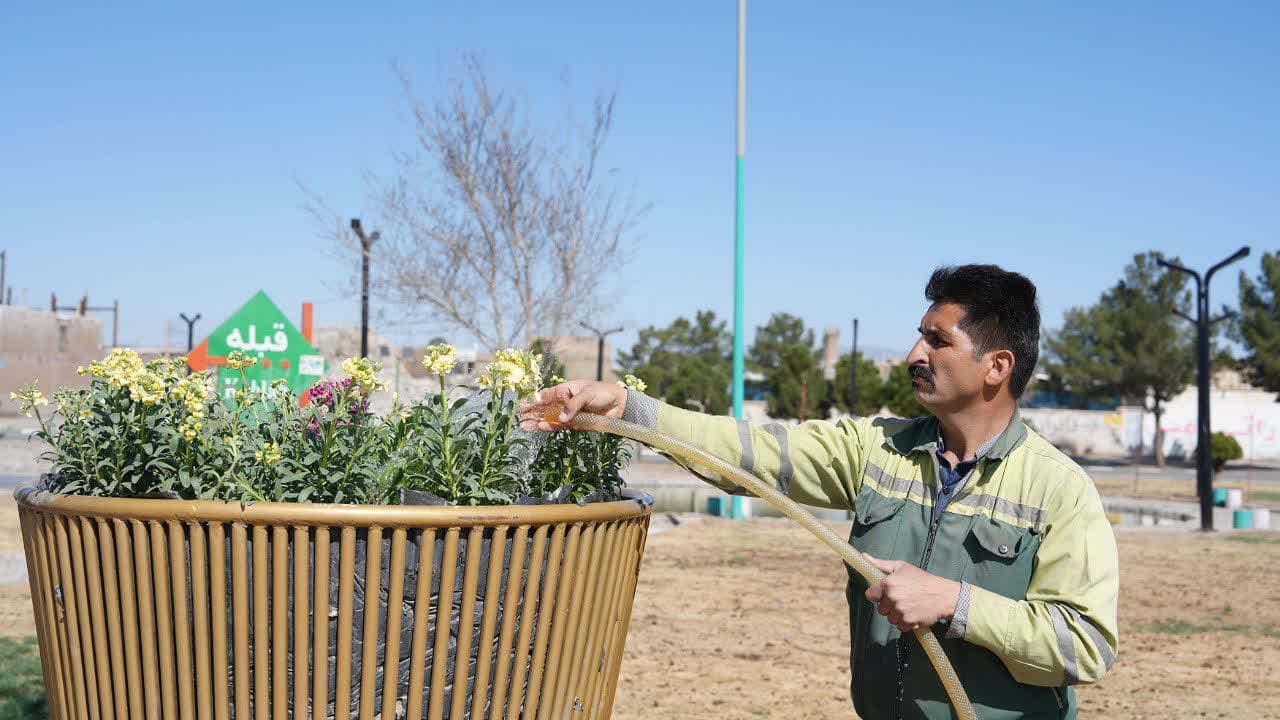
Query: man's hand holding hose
x,y
555,407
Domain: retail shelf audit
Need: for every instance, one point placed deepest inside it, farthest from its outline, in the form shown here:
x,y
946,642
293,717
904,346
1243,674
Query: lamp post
x,y
1202,321
191,333
853,373
600,336
366,242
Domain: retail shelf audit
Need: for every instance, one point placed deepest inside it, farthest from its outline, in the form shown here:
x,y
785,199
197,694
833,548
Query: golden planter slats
x,y
163,609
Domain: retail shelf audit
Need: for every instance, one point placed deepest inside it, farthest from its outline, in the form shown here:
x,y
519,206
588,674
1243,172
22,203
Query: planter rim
x,y
635,504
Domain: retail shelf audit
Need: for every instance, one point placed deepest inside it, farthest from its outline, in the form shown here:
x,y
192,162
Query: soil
x,y
748,620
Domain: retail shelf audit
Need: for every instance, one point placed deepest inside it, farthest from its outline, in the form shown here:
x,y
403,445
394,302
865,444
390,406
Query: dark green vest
x,y
892,677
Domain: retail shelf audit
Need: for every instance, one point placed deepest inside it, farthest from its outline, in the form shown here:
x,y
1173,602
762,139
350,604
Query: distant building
x,y
45,346
830,352
578,353
339,342
155,353
470,361
886,366
754,387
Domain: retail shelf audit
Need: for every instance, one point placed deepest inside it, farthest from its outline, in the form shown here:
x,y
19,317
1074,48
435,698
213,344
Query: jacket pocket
x,y
875,522
871,507
1001,556
1001,542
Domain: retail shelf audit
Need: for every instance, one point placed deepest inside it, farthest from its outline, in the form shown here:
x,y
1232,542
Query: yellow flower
x,y
30,398
233,443
146,387
169,369
440,359
500,376
398,410
555,380
633,382
192,391
364,374
124,369
268,454
121,368
236,360
85,413
190,428
515,370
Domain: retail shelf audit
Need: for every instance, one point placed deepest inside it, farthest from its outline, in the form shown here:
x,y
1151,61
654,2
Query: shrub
x,y
1224,448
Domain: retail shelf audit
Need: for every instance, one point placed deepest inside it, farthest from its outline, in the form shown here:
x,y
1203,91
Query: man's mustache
x,y
922,372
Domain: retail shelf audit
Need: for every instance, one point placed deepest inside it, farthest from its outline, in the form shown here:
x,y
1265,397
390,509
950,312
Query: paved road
x,y
1260,474
9,482
650,466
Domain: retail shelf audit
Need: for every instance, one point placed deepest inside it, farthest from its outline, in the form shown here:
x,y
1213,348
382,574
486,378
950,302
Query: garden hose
x,y
788,507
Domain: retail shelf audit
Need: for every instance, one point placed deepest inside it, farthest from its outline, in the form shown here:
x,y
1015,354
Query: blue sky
x,y
151,153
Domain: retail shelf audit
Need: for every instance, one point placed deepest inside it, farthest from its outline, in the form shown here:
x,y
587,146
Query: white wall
x,y
1083,432
1252,416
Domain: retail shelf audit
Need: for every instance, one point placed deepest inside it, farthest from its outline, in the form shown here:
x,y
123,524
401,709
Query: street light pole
x,y
853,373
191,335
1204,440
366,242
600,336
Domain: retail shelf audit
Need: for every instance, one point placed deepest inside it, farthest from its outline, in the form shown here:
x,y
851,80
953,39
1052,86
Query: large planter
x,y
210,610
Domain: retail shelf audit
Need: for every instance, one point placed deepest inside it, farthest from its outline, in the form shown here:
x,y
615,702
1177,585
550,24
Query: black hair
x,y
1001,313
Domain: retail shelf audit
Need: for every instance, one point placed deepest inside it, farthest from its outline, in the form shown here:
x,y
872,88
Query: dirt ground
x,y
1257,494
748,620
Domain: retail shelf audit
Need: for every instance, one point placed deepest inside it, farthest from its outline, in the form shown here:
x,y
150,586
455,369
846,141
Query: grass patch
x,y
1264,496
1178,627
21,682
1254,539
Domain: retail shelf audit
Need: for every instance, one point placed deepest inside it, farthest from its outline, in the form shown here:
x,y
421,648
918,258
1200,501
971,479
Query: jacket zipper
x,y
903,651
903,648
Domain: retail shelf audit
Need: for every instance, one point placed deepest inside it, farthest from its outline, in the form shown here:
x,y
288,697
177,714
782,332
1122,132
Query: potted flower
x,y
195,557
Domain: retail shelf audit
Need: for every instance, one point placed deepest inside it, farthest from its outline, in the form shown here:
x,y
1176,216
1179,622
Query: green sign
x,y
260,330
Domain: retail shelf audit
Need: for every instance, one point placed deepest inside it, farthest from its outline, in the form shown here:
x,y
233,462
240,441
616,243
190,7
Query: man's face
x,y
945,371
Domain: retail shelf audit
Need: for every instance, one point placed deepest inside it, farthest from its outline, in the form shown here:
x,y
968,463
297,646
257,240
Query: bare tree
x,y
492,226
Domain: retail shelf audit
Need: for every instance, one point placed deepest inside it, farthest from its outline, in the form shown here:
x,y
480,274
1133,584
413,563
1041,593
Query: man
x,y
985,531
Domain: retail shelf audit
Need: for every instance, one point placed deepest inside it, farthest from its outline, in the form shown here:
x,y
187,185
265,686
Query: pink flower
x,y
326,393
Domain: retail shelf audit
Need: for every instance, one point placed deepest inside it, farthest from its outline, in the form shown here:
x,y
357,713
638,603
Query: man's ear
x,y
1001,368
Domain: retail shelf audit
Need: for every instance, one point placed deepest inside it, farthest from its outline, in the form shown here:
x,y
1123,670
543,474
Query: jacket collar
x,y
921,435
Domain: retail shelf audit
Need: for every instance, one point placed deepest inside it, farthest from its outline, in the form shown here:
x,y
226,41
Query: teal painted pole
x,y
738,505
738,225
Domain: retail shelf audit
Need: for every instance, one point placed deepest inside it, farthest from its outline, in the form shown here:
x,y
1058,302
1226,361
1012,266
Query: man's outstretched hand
x,y
911,597
555,407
